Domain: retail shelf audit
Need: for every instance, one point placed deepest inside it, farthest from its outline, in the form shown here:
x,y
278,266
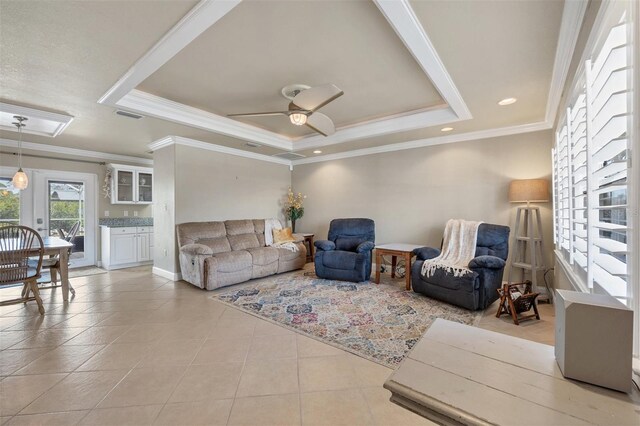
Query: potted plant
x,y
294,208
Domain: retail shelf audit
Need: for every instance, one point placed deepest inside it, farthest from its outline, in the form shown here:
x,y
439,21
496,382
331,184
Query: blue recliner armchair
x,y
472,291
346,255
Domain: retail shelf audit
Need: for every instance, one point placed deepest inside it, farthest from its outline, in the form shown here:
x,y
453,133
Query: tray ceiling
x,y
407,68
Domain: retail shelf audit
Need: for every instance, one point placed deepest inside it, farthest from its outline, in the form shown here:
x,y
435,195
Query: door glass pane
x,y
66,212
144,187
9,203
125,185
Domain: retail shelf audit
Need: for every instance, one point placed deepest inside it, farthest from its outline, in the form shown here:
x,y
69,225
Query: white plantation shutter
x,y
608,97
592,165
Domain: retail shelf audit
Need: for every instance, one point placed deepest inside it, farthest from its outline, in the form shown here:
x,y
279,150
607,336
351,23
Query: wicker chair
x,y
54,263
17,245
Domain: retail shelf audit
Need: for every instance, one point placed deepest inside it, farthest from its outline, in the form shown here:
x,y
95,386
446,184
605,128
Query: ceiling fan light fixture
x,y
298,118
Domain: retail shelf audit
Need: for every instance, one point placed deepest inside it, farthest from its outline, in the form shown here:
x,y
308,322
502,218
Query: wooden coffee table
x,y
394,250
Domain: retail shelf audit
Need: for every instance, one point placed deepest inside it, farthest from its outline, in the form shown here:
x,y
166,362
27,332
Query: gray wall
x,y
412,193
199,185
164,173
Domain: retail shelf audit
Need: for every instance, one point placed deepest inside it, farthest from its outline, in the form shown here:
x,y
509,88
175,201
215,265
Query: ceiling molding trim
x,y
421,143
379,128
159,107
192,143
63,120
195,22
404,21
572,18
50,149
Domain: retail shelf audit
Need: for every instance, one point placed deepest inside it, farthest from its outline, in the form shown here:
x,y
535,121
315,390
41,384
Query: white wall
x,y
115,210
164,209
411,194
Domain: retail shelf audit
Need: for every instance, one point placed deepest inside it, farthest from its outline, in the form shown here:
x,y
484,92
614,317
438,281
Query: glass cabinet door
x,y
145,189
124,185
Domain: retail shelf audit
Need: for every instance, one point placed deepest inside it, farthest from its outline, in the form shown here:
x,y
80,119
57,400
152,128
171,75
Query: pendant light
x,y
20,180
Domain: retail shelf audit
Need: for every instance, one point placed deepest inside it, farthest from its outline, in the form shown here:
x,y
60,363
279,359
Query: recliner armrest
x,y
489,262
196,249
365,247
325,245
426,253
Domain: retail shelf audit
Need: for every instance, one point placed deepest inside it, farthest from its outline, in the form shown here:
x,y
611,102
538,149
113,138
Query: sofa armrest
x,y
489,262
365,247
426,253
298,238
325,245
196,249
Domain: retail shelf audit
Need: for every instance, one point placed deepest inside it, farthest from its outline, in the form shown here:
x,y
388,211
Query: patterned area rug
x,y
378,322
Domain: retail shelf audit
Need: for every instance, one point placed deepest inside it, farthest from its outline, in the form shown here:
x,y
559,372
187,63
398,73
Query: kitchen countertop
x,y
119,222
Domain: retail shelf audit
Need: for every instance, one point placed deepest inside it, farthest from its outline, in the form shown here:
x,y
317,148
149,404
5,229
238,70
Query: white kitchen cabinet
x,y
131,185
124,247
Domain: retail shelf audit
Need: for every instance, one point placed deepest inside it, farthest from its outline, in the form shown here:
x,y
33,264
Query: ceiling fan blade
x,y
317,97
257,114
321,124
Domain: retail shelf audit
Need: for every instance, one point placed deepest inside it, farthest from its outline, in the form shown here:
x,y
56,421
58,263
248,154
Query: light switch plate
x,y
106,213
126,213
135,213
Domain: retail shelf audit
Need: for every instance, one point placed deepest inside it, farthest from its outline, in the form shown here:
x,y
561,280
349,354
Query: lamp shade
x,y
529,190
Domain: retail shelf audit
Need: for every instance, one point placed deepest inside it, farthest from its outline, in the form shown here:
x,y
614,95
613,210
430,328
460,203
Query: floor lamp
x,y
528,245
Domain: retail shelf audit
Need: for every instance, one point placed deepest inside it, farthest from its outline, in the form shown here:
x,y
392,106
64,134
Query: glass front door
x,y
66,213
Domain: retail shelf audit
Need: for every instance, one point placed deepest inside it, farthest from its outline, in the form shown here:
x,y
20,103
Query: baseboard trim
x,y
173,276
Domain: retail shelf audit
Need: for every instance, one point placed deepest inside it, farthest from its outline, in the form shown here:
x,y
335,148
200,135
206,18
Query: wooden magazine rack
x,y
516,299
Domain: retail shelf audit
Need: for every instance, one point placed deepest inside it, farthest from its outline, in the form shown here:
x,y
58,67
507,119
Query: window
x,y
9,203
66,207
592,162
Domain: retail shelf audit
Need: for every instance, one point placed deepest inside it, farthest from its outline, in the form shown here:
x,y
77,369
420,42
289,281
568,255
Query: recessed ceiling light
x,y
507,101
317,151
446,129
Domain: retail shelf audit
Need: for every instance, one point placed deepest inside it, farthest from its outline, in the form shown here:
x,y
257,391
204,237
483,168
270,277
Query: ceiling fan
x,y
305,102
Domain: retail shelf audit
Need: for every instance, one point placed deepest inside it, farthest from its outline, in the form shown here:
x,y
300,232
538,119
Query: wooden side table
x,y
308,239
394,250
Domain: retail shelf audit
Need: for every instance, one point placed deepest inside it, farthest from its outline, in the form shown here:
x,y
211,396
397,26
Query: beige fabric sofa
x,y
218,254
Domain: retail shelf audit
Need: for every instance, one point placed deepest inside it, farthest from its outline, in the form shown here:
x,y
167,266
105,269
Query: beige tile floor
x,y
134,348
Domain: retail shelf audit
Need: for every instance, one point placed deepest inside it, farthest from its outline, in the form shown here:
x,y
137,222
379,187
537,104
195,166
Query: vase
x,y
293,225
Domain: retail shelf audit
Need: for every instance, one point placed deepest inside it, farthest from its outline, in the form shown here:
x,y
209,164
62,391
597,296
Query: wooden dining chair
x,y
53,263
19,244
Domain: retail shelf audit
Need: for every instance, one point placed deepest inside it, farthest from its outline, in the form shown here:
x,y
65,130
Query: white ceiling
x,y
64,56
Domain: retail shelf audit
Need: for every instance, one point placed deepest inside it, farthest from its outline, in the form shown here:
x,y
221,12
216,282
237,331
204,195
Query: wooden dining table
x,y
54,246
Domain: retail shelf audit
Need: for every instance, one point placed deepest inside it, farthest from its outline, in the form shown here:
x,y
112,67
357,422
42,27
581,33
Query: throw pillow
x,y
282,235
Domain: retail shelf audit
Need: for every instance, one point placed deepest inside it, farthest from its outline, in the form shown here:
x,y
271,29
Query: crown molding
x,y
572,18
421,143
50,149
159,107
404,21
195,22
62,120
192,143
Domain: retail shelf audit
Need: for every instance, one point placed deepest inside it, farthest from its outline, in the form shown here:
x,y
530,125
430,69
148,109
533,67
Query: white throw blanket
x,y
269,226
458,248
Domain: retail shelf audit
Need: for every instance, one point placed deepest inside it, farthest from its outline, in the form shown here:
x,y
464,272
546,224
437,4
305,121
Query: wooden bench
x,y
457,374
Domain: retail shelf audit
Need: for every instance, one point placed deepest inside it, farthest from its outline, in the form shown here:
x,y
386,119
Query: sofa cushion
x,y
442,278
286,255
233,261
263,255
217,245
192,232
338,259
243,242
237,227
348,243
